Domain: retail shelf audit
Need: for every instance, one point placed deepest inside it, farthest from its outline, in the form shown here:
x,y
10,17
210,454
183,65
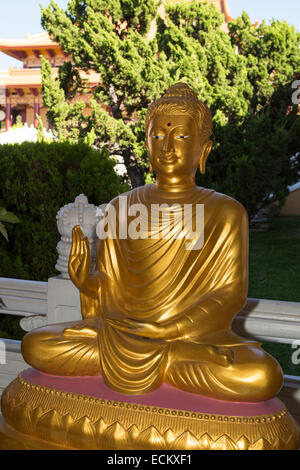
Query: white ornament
x,y
30,323
81,213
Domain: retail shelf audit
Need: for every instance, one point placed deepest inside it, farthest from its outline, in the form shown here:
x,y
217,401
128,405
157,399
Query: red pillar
x,y
24,115
8,115
36,112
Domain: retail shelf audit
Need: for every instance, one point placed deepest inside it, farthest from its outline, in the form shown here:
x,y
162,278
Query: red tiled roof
x,y
32,77
37,40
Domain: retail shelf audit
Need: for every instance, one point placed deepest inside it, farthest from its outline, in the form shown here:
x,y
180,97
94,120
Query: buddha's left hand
x,y
167,331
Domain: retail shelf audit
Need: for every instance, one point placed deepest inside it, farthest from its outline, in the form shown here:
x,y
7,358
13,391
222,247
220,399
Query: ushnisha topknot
x,y
180,89
181,99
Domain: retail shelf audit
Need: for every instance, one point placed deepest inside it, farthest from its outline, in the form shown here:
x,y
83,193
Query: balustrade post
x,y
63,296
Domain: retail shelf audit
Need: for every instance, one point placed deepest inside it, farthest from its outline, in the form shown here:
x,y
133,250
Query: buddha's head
x,y
178,128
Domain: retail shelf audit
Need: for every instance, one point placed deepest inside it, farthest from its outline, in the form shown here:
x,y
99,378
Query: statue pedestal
x,y
53,412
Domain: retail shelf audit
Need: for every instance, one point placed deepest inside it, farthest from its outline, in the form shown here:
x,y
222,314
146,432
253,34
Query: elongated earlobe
x,y
150,168
205,152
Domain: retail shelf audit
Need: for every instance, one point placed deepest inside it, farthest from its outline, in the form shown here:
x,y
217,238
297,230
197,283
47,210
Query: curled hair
x,y
181,99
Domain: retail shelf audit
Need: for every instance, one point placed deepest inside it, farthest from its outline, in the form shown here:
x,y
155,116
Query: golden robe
x,y
160,280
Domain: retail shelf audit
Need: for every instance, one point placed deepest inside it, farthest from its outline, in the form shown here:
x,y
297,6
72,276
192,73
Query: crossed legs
x,y
239,373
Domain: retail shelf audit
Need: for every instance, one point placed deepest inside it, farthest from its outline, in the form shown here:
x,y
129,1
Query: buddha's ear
x,y
206,149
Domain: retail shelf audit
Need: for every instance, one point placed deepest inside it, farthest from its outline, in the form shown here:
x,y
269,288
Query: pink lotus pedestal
x,y
54,412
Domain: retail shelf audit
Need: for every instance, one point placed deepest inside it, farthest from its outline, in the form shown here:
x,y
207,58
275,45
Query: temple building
x,y
20,88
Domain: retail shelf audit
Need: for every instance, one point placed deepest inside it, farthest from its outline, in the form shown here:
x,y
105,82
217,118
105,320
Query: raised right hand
x,y
80,258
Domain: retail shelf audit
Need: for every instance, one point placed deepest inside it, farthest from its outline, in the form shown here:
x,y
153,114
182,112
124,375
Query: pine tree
x,y
244,77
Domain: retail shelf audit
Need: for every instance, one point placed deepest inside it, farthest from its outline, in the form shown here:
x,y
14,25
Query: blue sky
x,y
18,17
288,10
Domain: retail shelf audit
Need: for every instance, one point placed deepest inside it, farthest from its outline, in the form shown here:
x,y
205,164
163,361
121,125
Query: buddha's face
x,y
174,144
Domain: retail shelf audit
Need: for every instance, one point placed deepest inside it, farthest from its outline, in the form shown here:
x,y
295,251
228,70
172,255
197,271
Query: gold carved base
x,y
37,417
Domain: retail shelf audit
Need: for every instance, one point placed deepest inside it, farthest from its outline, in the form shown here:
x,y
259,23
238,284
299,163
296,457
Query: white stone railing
x,y
269,320
56,301
24,298
22,134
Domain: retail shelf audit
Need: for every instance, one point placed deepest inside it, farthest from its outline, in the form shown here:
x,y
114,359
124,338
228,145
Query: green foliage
x,y
18,125
10,327
244,77
40,131
36,180
66,118
9,217
274,261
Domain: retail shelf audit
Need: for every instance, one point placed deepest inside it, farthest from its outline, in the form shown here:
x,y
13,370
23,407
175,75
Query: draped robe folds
x,y
160,280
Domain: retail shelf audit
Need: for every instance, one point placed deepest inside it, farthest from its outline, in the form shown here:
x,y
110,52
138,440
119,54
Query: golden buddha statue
x,y
154,311
154,363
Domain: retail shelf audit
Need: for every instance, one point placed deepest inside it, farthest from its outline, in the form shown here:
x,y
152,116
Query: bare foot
x,y
80,330
224,356
220,355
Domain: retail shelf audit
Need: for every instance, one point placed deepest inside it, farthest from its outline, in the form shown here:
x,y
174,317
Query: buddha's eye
x,y
181,137
157,137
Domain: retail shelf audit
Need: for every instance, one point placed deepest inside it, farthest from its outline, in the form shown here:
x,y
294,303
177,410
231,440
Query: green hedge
x,y
36,180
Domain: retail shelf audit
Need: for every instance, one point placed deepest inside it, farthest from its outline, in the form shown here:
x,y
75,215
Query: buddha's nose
x,y
168,145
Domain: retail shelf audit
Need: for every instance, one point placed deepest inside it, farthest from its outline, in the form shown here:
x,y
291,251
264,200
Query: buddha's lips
x,y
168,158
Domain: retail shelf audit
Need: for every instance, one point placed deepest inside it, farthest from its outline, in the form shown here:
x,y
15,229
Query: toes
x,y
228,355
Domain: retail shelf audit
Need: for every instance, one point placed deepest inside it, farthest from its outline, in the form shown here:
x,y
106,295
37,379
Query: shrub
x,y
36,180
